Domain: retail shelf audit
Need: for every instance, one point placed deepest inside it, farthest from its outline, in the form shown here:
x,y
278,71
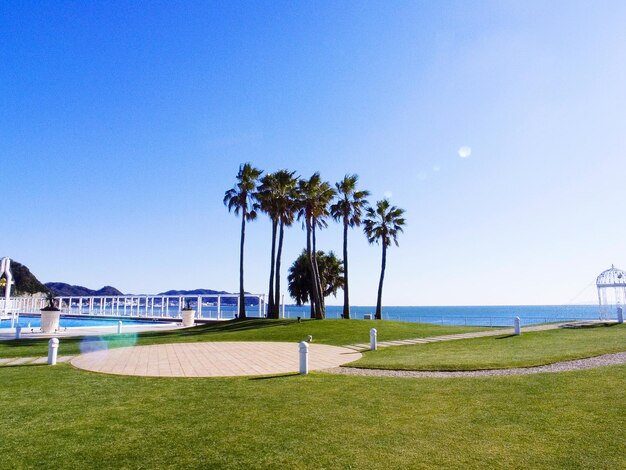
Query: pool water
x,y
70,322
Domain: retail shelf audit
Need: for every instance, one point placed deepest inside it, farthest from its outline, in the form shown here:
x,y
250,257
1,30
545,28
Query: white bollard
x,y
119,327
373,339
18,332
304,357
620,315
517,326
53,348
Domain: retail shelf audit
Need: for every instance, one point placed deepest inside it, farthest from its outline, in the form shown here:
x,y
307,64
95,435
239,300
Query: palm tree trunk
x,y
379,313
320,312
270,307
242,305
278,256
346,297
314,298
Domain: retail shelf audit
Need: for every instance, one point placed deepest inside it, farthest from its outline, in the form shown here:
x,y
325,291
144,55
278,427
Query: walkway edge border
x,y
563,366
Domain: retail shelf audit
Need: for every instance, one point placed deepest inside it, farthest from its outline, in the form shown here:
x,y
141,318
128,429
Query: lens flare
x,y
465,152
104,343
93,343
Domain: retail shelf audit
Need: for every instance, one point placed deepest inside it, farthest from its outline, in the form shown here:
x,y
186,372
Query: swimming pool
x,y
70,322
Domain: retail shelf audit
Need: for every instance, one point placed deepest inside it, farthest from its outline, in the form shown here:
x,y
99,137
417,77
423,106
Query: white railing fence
x,y
21,304
208,307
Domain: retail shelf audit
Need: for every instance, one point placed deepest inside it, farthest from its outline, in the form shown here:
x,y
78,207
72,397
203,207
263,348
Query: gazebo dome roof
x,y
612,277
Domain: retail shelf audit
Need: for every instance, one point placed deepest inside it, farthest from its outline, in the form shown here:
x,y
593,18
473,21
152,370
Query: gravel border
x,y
565,366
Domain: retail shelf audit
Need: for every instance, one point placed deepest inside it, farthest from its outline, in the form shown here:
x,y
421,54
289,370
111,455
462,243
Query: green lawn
x,y
335,332
60,417
529,349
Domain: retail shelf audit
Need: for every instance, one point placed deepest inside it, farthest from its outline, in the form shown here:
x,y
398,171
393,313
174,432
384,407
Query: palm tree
x,y
348,208
299,279
240,199
324,195
314,198
286,198
383,226
267,203
276,198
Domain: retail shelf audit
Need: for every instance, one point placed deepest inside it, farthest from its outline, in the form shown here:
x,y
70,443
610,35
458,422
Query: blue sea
x,y
465,315
455,315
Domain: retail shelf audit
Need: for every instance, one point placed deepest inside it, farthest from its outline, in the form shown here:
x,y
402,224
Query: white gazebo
x,y
611,293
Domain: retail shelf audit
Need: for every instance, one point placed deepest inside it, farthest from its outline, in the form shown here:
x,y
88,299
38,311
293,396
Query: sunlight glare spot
x,y
465,152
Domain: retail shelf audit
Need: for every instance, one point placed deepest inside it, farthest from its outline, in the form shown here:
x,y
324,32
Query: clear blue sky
x,y
123,123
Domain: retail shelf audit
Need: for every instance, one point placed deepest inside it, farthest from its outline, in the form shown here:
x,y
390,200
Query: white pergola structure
x,y
5,270
611,286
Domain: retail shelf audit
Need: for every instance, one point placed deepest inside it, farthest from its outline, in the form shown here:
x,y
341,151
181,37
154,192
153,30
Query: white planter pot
x,y
50,320
189,317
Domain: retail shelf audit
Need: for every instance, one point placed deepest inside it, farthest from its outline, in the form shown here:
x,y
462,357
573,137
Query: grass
x,y
60,417
529,349
334,332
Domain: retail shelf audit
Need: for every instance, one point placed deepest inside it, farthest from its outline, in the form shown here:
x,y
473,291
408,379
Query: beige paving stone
x,y
16,361
20,360
212,359
434,339
41,360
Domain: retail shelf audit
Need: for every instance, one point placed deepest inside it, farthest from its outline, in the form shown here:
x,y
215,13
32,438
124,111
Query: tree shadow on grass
x,y
584,326
279,376
229,326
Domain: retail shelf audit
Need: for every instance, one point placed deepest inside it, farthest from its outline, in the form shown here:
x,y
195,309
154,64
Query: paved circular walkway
x,y
212,359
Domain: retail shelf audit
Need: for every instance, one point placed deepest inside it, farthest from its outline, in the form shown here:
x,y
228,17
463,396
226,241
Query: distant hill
x,y
205,292
66,290
25,281
193,292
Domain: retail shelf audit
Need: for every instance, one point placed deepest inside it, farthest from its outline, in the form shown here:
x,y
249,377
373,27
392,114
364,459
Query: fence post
x,y
304,357
53,347
516,323
283,305
373,339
